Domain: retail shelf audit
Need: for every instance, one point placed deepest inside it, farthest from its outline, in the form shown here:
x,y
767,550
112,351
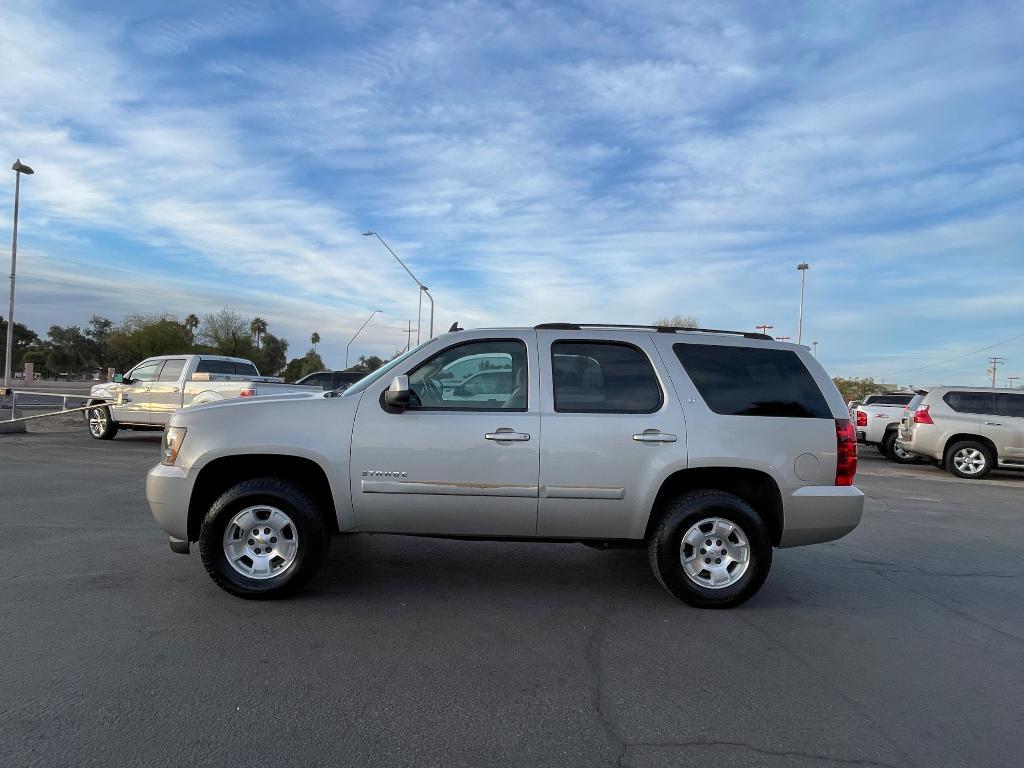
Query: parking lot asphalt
x,y
900,645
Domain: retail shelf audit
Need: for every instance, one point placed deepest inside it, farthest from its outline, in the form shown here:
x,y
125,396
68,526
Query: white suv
x,y
707,448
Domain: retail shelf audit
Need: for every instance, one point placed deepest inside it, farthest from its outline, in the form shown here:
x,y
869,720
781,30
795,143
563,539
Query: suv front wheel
x,y
710,549
263,538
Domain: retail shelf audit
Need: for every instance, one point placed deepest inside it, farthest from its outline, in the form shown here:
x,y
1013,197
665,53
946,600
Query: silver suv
x,y
706,448
969,430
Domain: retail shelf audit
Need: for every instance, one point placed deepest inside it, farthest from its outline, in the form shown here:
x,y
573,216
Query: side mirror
x,y
397,395
119,378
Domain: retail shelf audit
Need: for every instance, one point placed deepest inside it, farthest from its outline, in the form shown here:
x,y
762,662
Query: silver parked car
x,y
968,430
706,448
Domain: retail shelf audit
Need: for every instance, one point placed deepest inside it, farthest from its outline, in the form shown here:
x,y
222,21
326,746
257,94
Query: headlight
x,y
172,442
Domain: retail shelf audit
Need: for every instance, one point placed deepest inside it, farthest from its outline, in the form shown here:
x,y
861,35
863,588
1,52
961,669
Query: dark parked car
x,y
330,380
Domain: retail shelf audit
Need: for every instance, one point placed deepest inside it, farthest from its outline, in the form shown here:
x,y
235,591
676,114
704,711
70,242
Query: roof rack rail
x,y
658,328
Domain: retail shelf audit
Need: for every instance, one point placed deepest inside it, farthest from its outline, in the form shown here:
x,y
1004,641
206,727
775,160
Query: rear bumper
x,y
921,441
168,490
816,513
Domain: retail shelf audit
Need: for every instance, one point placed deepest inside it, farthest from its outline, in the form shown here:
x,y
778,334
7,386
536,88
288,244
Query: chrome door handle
x,y
505,434
654,436
993,424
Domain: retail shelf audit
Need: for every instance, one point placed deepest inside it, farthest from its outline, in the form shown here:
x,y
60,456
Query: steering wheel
x,y
432,392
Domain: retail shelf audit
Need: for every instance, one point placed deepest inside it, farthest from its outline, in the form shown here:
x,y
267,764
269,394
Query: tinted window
x,y
749,381
146,372
499,380
171,370
889,399
1010,405
603,377
323,380
971,402
226,366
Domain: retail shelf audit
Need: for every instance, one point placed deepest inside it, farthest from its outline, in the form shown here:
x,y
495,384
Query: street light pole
x,y
423,288
803,266
375,312
18,169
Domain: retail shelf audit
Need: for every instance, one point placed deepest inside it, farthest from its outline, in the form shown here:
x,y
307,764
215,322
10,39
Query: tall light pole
x,y
803,266
423,288
1012,379
375,312
18,169
814,348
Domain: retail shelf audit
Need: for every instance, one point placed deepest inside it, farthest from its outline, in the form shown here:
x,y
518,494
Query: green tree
x,y
70,350
303,366
191,322
258,328
142,336
24,340
314,339
270,359
856,389
678,321
367,364
227,333
99,331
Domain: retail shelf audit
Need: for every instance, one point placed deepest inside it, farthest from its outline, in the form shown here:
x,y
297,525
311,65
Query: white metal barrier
x,y
64,396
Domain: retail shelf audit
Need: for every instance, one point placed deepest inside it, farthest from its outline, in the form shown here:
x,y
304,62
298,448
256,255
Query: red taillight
x,y
247,392
921,416
862,418
846,452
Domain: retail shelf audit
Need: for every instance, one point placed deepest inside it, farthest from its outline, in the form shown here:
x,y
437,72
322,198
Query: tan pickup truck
x,y
146,396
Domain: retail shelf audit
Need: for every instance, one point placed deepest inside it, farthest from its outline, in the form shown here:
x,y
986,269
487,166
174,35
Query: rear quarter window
x,y
971,402
750,381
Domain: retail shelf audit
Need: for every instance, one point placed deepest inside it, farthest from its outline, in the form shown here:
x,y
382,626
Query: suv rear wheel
x,y
710,549
969,459
894,452
263,538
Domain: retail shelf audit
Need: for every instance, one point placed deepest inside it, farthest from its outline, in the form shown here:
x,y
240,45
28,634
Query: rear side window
x,y
749,381
603,377
971,402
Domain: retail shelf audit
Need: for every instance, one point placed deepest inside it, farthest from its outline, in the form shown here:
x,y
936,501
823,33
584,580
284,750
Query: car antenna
x,y
455,327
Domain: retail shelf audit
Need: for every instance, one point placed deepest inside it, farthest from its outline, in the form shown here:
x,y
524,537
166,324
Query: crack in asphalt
x,y
814,757
613,732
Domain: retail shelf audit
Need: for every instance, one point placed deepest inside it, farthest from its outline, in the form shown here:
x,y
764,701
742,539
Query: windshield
x,y
369,378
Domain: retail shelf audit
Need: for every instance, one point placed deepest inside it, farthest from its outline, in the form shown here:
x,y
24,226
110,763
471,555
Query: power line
x,y
953,359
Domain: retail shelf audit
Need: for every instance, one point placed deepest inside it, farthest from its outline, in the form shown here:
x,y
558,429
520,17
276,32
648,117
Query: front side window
x,y
146,371
172,370
971,402
603,377
494,377
752,381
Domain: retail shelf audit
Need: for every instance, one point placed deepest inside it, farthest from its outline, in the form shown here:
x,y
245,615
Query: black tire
x,y
100,423
894,453
313,537
881,448
664,548
969,445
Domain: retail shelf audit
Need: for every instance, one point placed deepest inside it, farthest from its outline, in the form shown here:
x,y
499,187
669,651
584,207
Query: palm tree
x,y
258,328
192,322
314,339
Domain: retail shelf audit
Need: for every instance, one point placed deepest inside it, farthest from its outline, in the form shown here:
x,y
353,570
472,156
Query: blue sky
x,y
531,162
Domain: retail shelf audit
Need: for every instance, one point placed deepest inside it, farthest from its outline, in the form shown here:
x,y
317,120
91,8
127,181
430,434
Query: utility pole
x,y
1012,379
18,169
765,328
803,267
814,348
993,366
783,338
408,336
